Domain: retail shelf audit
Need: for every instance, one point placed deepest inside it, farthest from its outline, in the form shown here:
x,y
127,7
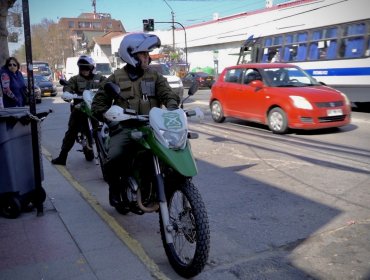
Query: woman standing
x,y
12,84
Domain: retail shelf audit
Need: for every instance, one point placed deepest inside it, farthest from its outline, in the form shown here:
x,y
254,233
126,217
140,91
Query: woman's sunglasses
x,y
12,64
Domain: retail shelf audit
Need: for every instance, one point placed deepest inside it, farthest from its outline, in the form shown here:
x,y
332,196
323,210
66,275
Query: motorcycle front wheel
x,y
189,251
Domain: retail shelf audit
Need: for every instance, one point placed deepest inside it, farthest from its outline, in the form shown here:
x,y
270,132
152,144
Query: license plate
x,y
334,112
47,93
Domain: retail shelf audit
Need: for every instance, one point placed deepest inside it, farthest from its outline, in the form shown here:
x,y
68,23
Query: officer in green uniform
x,y
141,89
86,79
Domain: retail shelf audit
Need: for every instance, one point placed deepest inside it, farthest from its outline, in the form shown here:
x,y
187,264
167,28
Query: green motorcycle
x,y
160,180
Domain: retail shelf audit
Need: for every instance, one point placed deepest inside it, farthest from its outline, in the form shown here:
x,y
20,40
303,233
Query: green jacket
x,y
77,84
150,90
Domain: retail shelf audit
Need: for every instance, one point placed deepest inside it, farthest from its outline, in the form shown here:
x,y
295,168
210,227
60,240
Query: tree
x,y
5,5
49,43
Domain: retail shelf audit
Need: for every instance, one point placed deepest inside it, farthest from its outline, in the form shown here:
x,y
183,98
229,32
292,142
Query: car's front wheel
x,y
277,121
217,112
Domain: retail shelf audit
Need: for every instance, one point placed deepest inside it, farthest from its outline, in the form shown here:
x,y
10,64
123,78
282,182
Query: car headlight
x,y
346,100
301,102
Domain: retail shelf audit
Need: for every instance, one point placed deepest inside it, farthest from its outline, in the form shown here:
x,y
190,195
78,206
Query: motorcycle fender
x,y
181,160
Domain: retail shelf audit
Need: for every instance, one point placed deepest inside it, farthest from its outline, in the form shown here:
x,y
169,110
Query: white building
x,y
221,38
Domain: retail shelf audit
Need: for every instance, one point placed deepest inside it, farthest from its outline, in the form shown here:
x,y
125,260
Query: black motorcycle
x,y
85,134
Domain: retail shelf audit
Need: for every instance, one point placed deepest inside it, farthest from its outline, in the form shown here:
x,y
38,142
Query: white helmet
x,y
86,61
137,42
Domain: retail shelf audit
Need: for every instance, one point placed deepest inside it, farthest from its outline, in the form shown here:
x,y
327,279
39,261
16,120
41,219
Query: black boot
x,y
114,192
61,159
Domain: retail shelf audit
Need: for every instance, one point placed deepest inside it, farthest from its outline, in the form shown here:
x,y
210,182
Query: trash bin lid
x,y
17,113
14,113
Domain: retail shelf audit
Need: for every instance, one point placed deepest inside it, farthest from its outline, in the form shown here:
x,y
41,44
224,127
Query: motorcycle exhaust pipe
x,y
152,208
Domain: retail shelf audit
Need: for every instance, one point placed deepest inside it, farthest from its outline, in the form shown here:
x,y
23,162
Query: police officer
x,y
86,79
143,89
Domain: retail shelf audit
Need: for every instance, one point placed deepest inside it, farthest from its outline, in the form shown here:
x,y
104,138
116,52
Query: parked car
x,y
37,91
204,80
174,81
279,95
47,87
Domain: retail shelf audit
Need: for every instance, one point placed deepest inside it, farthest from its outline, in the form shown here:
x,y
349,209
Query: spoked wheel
x,y
10,206
189,251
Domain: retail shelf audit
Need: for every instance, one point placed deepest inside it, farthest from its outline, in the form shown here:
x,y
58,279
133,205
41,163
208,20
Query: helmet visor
x,y
86,67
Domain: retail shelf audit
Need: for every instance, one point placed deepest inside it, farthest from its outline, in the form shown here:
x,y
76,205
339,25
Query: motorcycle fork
x,y
91,141
163,202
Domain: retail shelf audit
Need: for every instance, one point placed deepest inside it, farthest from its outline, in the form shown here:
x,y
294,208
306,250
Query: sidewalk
x,y
71,241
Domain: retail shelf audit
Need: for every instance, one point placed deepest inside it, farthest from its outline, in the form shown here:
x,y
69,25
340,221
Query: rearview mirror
x,y
63,82
193,88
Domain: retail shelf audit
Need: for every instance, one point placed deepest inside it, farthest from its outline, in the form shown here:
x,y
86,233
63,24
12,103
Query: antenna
x,y
94,5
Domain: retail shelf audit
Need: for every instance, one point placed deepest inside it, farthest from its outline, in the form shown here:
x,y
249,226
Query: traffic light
x,y
148,25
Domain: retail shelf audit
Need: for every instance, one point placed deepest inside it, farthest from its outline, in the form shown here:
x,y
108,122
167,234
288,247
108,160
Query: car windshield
x,y
42,70
39,79
160,68
288,77
103,68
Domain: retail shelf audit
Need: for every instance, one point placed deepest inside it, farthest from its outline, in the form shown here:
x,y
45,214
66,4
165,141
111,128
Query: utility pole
x,y
94,6
34,125
173,25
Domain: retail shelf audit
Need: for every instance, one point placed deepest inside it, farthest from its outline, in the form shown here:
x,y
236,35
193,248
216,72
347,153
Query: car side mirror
x,y
257,84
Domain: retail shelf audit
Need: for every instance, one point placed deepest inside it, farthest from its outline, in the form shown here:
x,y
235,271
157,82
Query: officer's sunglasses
x,y
12,64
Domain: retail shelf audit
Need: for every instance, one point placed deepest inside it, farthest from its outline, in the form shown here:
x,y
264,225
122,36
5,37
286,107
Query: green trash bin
x,y
17,173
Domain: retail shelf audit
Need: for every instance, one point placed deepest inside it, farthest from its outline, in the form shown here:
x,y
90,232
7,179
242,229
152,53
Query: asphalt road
x,y
292,206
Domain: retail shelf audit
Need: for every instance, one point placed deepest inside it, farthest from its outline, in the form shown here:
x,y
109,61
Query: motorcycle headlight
x,y
301,102
174,140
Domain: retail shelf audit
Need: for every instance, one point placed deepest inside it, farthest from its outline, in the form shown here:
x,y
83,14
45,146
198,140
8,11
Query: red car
x,y
279,95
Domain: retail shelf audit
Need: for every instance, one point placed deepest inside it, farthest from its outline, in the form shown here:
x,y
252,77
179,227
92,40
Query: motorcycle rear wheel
x,y
189,252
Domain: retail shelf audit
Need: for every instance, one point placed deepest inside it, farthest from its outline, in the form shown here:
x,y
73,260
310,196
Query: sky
x,y
132,12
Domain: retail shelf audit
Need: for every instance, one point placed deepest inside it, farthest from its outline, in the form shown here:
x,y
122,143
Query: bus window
x,y
331,32
271,55
302,37
354,29
301,52
278,40
353,45
270,52
332,49
290,52
313,51
367,53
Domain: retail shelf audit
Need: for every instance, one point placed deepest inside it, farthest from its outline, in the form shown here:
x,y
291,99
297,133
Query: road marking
x,y
122,234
